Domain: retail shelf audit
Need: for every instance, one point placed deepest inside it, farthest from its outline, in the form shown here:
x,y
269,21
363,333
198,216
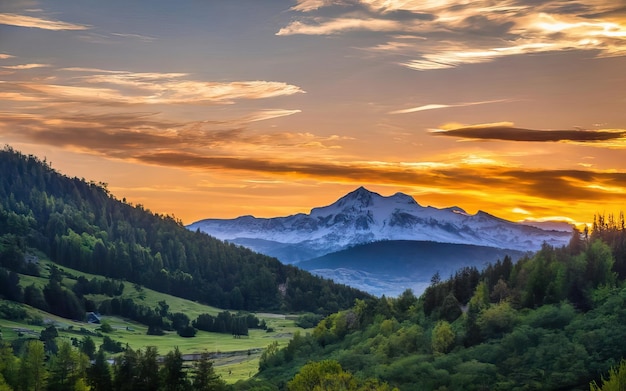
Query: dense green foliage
x,y
225,322
328,375
616,380
554,320
69,369
81,225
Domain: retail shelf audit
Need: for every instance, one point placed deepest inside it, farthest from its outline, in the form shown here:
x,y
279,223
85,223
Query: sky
x,y
216,109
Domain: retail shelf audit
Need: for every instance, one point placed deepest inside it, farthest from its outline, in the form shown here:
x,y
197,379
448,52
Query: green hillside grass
x,y
238,358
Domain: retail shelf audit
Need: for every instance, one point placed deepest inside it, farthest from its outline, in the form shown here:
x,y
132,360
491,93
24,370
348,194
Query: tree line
x,y
70,368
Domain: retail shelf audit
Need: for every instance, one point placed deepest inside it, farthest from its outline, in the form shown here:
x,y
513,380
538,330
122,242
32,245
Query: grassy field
x,y
238,358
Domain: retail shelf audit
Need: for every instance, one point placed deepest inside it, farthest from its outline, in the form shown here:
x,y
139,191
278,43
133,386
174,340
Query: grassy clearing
x,y
237,368
231,366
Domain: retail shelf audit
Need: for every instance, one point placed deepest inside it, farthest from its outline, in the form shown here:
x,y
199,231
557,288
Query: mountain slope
x,y
362,217
81,225
391,267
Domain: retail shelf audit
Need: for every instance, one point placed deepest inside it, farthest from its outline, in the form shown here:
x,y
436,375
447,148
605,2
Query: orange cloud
x,y
40,23
444,106
25,66
121,87
339,25
126,135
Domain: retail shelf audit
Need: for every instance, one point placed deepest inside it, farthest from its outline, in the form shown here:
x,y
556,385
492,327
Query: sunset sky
x,y
209,108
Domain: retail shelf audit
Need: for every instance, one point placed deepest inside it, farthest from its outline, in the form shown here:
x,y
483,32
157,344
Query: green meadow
x,y
234,358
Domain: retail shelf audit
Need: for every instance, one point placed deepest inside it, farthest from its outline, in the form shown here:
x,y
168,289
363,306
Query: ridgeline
x,y
79,224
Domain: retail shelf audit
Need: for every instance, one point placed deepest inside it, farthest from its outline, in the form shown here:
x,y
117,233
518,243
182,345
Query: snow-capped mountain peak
x,y
362,216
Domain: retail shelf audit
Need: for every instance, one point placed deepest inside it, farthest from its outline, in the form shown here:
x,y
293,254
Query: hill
x,y
555,320
79,224
234,358
390,267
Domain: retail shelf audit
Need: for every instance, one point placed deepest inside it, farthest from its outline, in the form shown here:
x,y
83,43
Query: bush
x,y
497,320
155,330
12,311
105,327
308,321
187,331
110,345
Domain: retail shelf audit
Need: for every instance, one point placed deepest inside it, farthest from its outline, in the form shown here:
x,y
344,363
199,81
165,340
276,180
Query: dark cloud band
x,y
564,185
507,133
116,136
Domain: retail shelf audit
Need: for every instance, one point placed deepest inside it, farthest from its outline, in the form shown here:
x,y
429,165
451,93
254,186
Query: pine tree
x,y
67,368
33,372
172,374
99,374
205,378
148,370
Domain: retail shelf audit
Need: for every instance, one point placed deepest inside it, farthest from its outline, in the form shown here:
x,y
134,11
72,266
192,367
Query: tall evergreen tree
x,y
99,374
9,369
67,368
33,373
205,378
88,347
173,377
125,370
148,375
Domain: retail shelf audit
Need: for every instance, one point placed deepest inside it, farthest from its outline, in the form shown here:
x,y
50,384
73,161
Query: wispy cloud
x,y
435,106
509,133
339,25
128,135
171,88
26,66
40,23
121,114
450,34
139,37
4,56
121,87
91,70
310,5
269,114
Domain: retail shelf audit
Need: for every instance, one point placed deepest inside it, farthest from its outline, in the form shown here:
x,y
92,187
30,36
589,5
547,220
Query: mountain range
x,y
362,218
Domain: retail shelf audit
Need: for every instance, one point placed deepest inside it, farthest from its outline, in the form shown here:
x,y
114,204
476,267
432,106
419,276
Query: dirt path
x,y
224,357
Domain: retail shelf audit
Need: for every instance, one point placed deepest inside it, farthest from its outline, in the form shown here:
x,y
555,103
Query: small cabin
x,y
93,317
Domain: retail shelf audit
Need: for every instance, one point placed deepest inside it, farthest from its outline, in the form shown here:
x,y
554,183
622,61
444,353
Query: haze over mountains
x,y
339,231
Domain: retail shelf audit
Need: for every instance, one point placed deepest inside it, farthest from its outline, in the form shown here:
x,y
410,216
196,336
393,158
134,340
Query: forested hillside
x,y
553,321
81,225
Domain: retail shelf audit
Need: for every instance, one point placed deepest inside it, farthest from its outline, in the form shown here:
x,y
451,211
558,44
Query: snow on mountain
x,y
363,216
550,225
